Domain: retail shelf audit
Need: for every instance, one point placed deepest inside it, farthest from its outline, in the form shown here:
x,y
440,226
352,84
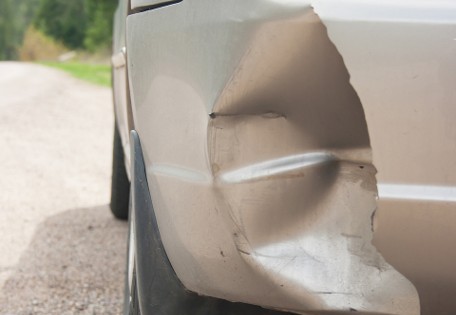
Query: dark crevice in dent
x,y
152,7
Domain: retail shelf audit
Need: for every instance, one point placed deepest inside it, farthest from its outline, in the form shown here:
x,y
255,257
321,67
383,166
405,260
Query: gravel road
x,y
61,251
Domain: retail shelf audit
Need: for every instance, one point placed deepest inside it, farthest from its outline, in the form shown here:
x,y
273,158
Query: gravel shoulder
x,y
62,252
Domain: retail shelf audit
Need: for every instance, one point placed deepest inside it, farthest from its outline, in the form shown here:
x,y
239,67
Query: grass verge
x,y
93,73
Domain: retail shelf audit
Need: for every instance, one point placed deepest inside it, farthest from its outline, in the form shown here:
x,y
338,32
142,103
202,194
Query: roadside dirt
x,y
61,251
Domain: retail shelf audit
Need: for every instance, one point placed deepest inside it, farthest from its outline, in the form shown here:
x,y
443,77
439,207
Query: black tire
x,y
120,185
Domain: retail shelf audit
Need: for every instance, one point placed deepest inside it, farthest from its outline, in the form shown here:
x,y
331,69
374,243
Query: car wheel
x,y
120,185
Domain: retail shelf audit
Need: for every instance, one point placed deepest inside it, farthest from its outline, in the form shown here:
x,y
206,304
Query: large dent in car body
x,y
289,169
289,150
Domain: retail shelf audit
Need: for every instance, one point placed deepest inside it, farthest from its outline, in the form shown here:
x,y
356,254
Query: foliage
x,y
94,73
63,20
99,28
15,17
8,30
37,46
78,24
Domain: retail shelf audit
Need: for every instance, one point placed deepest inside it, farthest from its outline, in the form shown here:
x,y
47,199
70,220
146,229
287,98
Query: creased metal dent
x,y
284,238
295,229
275,167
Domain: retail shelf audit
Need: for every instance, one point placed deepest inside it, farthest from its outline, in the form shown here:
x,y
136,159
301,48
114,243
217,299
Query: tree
x,y
26,10
99,26
8,32
15,17
63,20
77,23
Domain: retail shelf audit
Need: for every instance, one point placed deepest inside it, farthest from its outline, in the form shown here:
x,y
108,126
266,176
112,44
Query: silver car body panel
x,y
402,64
263,124
119,79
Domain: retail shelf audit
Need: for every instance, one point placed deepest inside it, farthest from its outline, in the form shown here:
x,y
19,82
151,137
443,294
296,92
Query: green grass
x,y
93,73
